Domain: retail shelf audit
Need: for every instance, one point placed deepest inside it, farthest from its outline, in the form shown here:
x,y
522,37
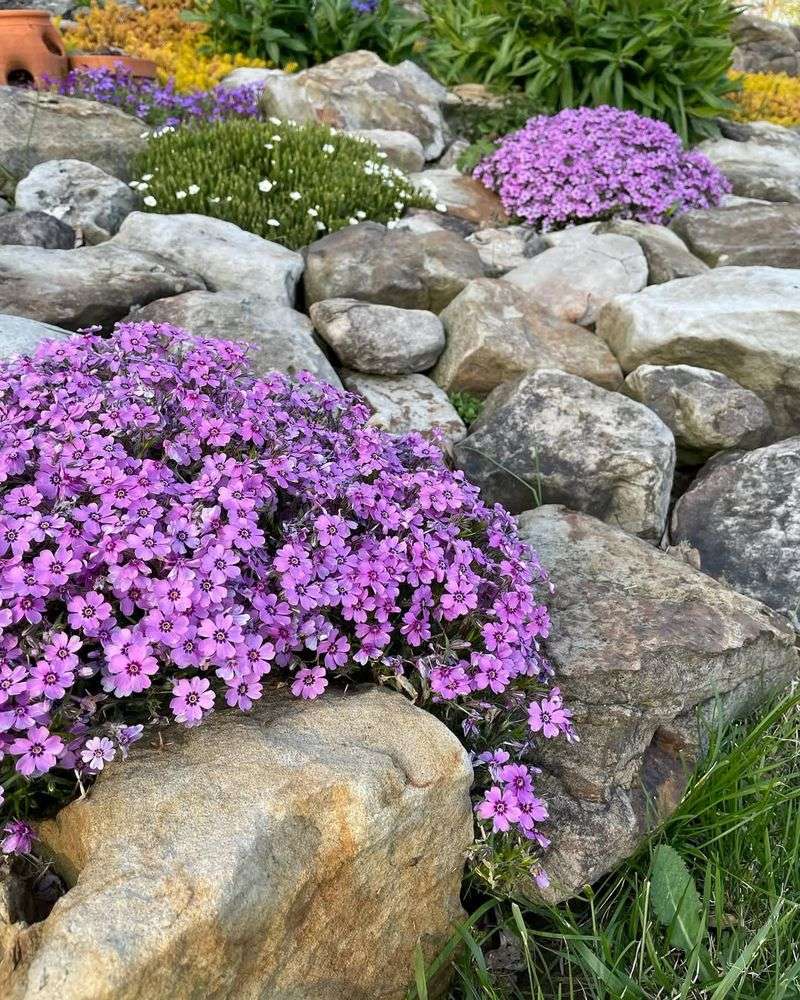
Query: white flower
x,y
440,206
147,177
276,138
361,215
399,205
142,186
180,194
328,148
352,221
144,135
275,121
266,186
295,195
193,189
313,213
150,201
382,154
214,201
273,222
321,226
268,145
229,198
133,184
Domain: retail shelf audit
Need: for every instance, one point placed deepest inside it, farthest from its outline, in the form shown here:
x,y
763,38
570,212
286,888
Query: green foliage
x,y
666,60
709,909
288,183
306,32
467,406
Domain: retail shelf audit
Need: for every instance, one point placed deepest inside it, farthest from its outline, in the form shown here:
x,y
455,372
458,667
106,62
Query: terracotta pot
x,y
142,68
30,48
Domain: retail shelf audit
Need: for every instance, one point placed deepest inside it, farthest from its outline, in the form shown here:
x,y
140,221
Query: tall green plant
x,y
668,60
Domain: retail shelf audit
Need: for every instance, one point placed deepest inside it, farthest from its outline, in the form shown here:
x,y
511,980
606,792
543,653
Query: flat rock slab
x,y
227,258
461,195
281,339
666,254
22,336
298,853
742,516
550,437
85,287
743,235
741,321
642,645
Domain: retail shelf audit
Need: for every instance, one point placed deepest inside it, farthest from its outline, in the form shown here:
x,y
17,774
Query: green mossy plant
x,y
286,182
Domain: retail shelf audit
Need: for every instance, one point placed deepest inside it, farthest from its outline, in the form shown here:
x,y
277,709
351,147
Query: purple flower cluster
x,y
598,163
173,530
159,104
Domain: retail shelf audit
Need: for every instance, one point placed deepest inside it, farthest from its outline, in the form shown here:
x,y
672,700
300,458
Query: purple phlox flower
x,y
97,752
500,806
191,699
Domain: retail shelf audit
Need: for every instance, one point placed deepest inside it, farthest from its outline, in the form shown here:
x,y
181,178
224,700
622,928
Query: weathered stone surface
x,y
390,267
571,234
379,340
641,643
706,411
248,76
667,255
358,90
574,281
560,439
35,229
461,195
742,515
36,126
452,154
766,164
428,220
227,258
501,250
494,333
23,336
403,150
298,853
767,234
281,338
764,46
403,403
87,198
741,321
87,286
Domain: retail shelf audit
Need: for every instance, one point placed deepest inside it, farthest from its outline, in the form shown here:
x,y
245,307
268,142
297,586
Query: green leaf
x,y
674,896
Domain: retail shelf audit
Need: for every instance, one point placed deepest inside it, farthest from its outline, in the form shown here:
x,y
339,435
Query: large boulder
x,y
742,516
22,336
85,287
403,150
495,333
280,338
358,90
648,652
741,321
753,233
404,403
461,195
390,267
87,198
35,229
765,46
574,280
301,852
550,437
706,411
227,258
763,162
667,255
36,126
379,340
503,249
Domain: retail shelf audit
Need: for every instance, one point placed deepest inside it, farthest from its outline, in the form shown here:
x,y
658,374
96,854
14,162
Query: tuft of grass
x,y
709,909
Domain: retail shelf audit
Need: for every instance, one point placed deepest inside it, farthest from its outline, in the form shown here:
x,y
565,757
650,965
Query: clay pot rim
x,y
25,14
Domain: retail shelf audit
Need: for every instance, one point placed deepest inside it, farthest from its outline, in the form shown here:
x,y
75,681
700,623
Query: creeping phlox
x,y
174,531
589,164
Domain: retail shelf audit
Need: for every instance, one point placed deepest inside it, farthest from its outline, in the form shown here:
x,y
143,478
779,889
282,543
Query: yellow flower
x,y
770,97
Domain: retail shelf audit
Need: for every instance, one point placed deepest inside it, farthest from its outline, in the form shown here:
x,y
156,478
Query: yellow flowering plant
x,y
770,97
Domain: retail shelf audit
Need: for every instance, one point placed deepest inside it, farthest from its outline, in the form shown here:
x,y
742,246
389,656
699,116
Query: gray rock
x,y
22,336
501,250
280,338
404,403
706,411
555,438
56,8
765,46
390,267
765,165
35,229
379,340
742,516
87,198
571,234
461,195
227,258
741,321
248,76
4,206
756,233
36,126
428,220
667,255
575,280
648,653
452,154
358,90
403,150
495,334
85,287
340,825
